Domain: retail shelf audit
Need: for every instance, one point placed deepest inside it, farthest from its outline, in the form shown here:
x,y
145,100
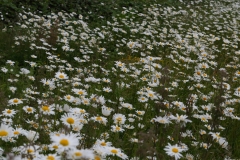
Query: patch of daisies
x,y
160,83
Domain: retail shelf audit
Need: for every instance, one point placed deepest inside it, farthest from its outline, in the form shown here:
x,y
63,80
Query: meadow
x,y
161,84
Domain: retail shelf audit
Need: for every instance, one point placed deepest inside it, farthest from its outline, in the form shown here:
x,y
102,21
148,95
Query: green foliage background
x,y
88,8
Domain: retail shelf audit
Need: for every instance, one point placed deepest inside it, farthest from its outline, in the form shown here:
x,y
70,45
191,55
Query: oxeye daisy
x,y
80,92
5,132
119,118
174,151
14,101
69,119
28,109
48,157
81,154
100,119
31,135
117,128
9,112
61,75
65,142
106,111
103,143
117,152
69,98
47,110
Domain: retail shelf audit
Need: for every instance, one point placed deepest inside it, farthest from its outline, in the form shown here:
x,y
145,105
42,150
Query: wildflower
x,y
5,70
106,111
69,98
115,151
24,71
28,109
117,128
14,101
48,157
107,89
102,143
5,132
47,110
31,135
9,112
119,118
69,119
163,120
80,92
100,119
140,112
142,99
181,118
80,154
65,142
174,151
13,89
61,75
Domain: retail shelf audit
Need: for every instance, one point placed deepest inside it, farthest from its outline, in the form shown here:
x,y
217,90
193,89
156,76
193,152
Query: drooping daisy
x,y
100,119
117,152
106,111
31,135
116,128
174,151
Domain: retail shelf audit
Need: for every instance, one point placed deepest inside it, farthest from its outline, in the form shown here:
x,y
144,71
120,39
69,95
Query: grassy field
x,y
159,84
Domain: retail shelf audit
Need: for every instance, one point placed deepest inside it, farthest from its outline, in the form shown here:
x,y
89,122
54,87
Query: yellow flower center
x,y
68,97
3,133
9,111
16,132
61,76
70,120
30,150
80,92
99,118
82,111
175,150
29,109
118,128
103,144
114,151
55,147
78,154
15,101
45,108
50,158
97,158
64,142
162,121
119,119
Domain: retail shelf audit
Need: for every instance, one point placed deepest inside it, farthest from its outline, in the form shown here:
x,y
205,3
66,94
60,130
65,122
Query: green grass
x,y
146,80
